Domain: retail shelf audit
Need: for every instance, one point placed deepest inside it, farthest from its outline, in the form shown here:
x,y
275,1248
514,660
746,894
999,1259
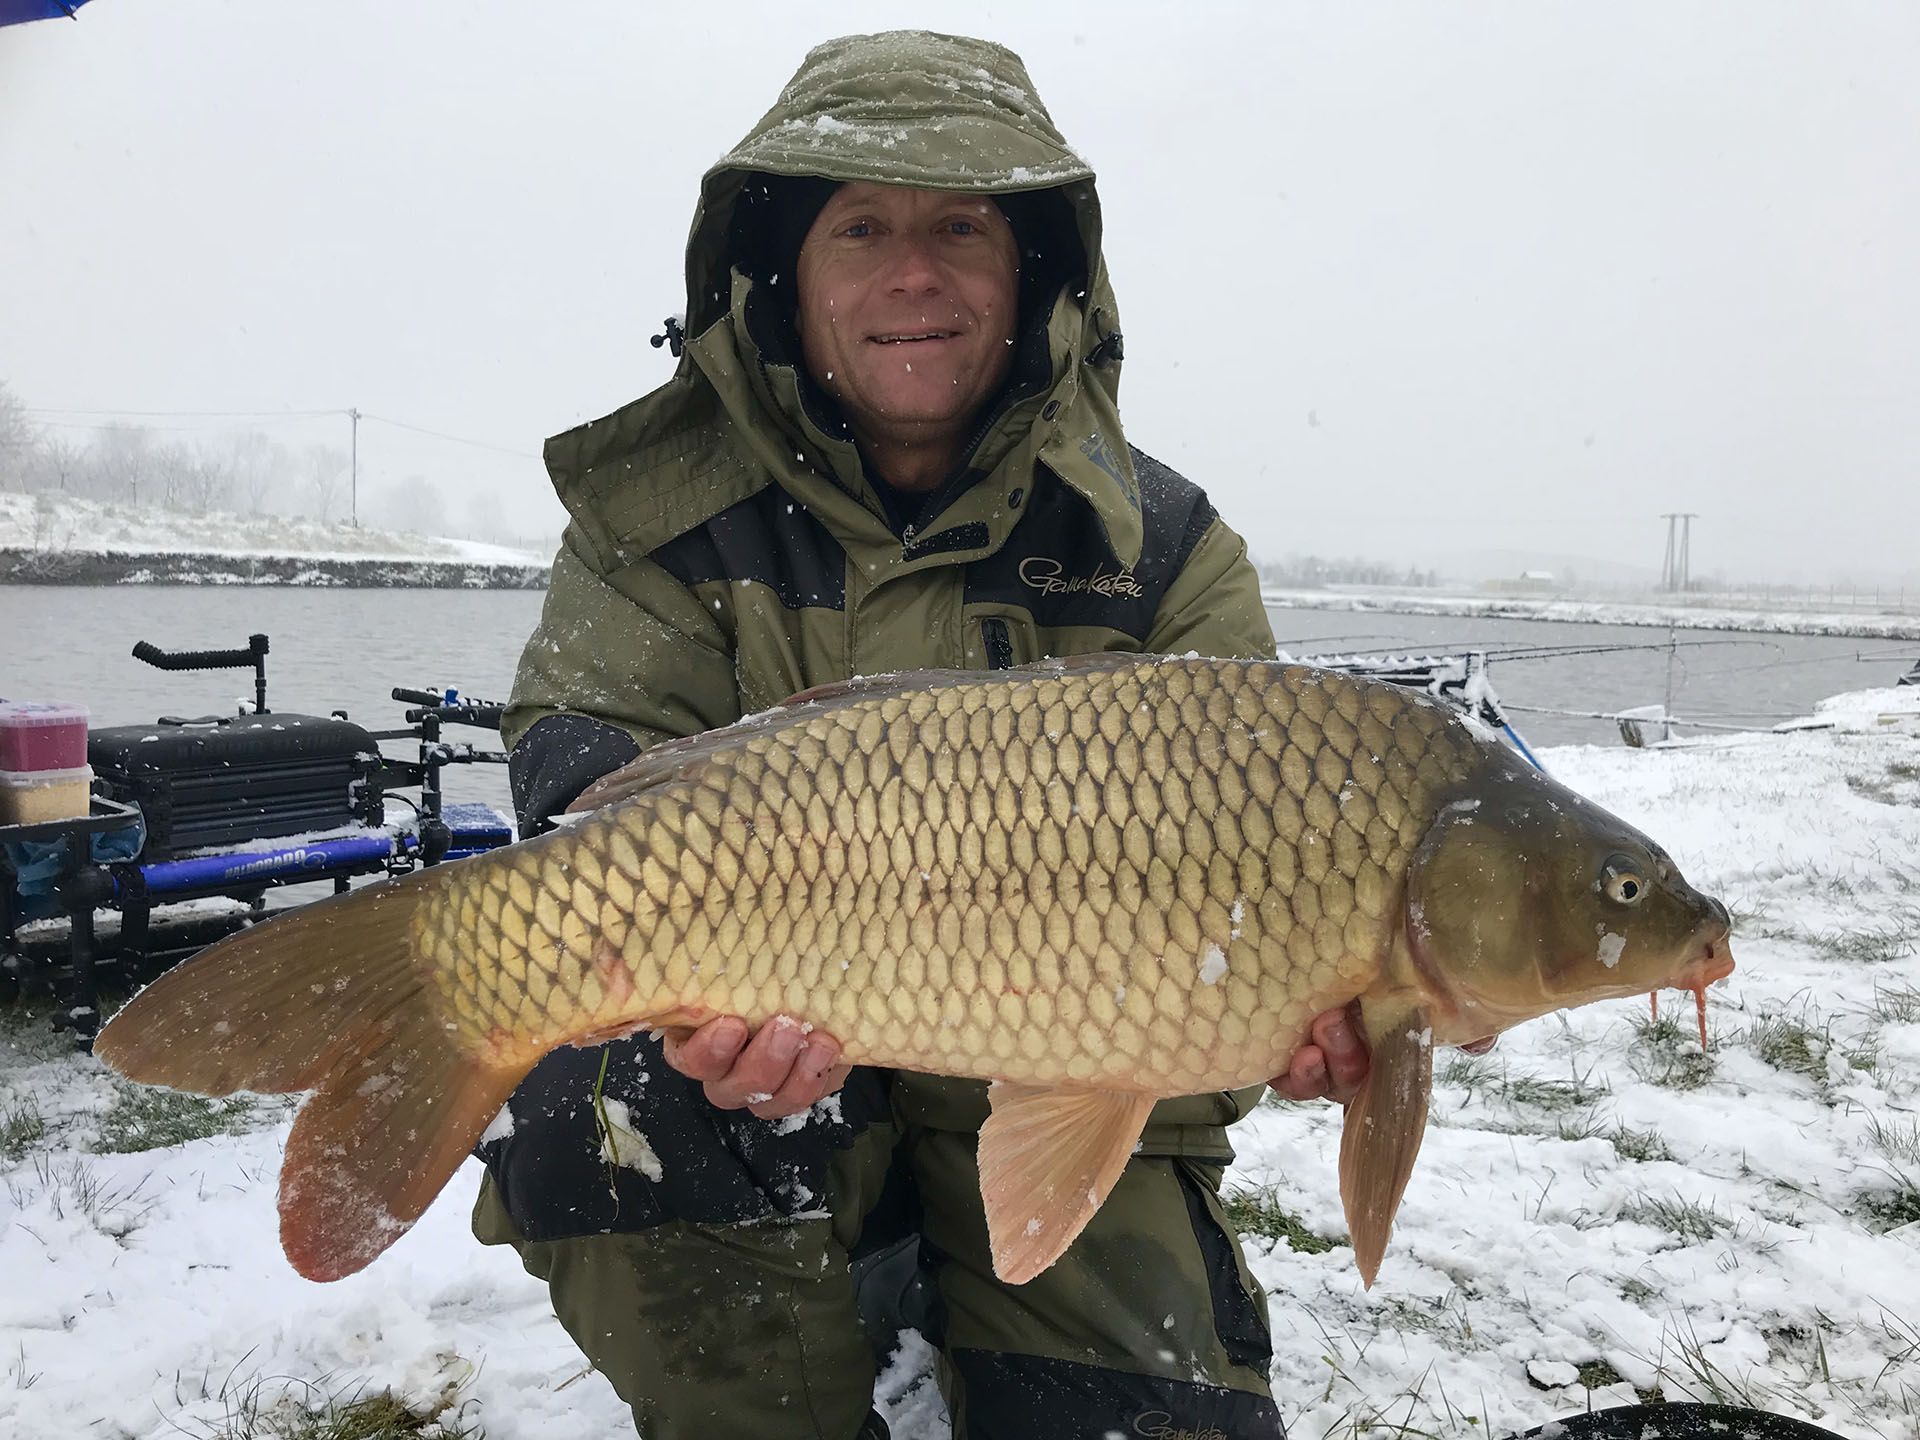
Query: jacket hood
x,y
908,107
902,108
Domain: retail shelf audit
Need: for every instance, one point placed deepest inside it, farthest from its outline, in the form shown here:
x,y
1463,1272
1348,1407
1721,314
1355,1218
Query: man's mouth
x,y
913,337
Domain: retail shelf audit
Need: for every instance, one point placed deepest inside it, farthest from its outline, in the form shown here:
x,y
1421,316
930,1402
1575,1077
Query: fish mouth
x,y
1713,961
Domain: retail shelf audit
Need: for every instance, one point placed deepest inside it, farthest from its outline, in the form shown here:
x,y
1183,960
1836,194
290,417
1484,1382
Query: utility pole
x,y
1675,573
353,502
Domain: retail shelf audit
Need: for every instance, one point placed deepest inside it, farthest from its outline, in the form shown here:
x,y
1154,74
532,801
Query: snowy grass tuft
x,y
147,1119
258,1408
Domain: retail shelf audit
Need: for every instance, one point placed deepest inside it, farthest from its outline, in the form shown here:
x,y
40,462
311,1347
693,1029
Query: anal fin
x,y
1384,1127
1048,1158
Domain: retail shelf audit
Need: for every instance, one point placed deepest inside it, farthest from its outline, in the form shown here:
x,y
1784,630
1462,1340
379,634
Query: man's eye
x,y
965,227
858,230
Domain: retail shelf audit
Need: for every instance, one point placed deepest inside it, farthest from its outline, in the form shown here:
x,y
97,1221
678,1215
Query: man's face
x,y
906,307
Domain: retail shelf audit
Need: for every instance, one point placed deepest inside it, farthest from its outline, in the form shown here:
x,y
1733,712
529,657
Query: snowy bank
x,y
1600,1209
49,541
1704,616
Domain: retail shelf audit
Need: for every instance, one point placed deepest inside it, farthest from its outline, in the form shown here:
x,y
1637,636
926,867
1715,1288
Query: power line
x,y
259,415
442,435
186,414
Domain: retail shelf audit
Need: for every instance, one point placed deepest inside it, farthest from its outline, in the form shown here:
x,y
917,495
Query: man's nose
x,y
913,266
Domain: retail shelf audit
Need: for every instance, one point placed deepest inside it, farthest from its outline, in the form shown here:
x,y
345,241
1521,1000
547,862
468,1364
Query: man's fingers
x,y
1306,1077
761,1069
806,1082
1347,1060
709,1052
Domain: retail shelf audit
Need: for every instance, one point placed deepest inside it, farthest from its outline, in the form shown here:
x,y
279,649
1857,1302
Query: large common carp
x,y
1098,881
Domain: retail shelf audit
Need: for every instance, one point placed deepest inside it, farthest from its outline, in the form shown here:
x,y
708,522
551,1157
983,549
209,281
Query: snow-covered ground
x,y
1599,1208
1699,613
42,522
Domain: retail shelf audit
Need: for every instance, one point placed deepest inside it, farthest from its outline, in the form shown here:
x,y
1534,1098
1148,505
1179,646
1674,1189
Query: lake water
x,y
346,649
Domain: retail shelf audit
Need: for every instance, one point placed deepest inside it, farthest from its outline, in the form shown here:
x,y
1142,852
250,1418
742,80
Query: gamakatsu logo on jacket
x,y
1046,576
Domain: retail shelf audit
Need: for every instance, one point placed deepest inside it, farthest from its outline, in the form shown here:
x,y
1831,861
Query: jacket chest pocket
x,y
1000,640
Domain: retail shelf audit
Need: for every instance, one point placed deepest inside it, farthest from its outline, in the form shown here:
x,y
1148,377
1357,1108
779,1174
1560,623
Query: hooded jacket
x,y
726,548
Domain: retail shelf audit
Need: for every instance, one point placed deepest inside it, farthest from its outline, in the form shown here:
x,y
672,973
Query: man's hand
x,y
1333,1064
780,1070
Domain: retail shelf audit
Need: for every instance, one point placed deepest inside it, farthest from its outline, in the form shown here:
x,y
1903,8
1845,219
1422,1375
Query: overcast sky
x,y
1395,278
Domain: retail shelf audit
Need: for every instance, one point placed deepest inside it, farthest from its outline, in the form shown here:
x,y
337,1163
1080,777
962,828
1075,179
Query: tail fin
x,y
328,999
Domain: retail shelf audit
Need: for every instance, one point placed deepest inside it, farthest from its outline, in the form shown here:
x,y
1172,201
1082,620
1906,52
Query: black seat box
x,y
226,781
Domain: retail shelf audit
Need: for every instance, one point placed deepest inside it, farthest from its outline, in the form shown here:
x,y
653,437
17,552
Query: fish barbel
x,y
1098,882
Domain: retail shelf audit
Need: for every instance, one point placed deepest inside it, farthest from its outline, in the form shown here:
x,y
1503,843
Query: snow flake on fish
x,y
1611,948
1213,966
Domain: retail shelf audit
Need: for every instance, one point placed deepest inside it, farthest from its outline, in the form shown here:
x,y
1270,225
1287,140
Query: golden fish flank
x,y
1097,882
972,855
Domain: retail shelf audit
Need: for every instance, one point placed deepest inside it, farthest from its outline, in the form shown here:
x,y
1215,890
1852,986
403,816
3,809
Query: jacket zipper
x,y
998,642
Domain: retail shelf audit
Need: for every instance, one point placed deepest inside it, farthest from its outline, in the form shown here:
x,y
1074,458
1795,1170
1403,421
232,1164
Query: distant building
x,y
1527,582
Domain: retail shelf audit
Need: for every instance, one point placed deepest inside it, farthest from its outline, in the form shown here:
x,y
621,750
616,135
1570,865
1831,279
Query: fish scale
x,y
1095,882
1016,882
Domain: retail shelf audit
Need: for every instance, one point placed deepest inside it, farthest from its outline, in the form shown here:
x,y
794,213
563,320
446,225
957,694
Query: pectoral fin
x,y
1048,1158
1384,1127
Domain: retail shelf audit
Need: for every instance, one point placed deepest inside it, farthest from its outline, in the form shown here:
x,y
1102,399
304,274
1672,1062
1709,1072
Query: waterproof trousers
x,y
1149,1325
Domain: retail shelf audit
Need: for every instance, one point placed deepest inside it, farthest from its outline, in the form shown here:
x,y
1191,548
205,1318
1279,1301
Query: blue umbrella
x,y
18,12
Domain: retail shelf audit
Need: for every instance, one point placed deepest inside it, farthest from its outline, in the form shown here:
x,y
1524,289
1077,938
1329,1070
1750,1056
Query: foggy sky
x,y
1396,280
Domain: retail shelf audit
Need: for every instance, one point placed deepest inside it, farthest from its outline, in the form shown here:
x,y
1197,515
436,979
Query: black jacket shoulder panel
x,y
1057,565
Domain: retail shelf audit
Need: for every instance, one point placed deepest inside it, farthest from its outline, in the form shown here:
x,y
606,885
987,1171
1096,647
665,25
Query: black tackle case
x,y
229,780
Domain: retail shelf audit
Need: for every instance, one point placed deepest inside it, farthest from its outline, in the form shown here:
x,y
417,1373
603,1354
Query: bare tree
x,y
253,463
124,457
325,467
168,475
209,478
57,466
486,517
415,504
17,440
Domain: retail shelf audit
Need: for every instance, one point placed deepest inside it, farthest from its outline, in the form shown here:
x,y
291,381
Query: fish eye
x,y
1620,878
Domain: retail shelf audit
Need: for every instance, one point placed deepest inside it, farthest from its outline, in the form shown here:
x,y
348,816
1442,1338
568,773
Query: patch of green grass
x,y
1574,1093
1582,1125
1863,1054
1896,1004
1644,1146
1889,1210
1874,945
1637,1290
142,1118
21,1127
308,1411
1258,1212
76,1189
1898,1140
1788,1045
1471,1073
1689,1219
26,1028
1664,1052
1479,1076
1596,1374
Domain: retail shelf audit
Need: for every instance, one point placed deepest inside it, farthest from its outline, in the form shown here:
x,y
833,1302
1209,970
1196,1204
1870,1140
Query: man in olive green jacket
x,y
891,443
